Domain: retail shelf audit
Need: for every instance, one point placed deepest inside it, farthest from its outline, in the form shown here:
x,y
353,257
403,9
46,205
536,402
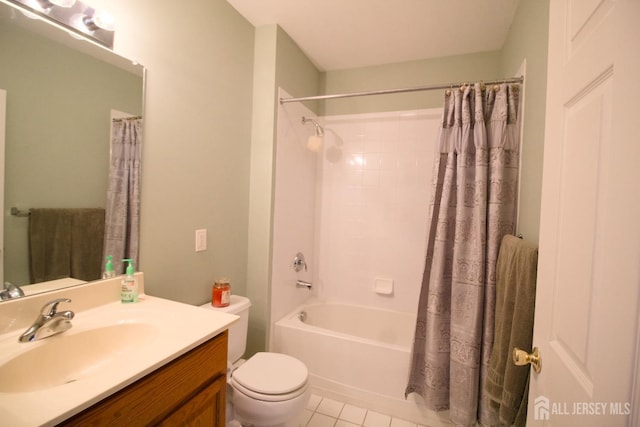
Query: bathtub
x,y
359,355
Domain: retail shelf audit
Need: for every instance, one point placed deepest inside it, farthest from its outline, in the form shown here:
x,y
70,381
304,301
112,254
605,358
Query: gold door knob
x,y
521,358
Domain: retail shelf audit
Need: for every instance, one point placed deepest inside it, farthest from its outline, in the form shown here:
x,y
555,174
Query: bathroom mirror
x,y
61,94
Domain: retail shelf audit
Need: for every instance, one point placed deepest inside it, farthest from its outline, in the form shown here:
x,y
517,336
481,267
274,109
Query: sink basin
x,y
69,357
110,346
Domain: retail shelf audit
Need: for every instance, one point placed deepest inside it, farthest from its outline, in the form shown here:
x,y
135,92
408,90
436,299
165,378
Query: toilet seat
x,y
268,397
271,377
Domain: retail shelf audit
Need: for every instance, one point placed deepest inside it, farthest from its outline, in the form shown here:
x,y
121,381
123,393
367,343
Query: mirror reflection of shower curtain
x,y
473,207
122,222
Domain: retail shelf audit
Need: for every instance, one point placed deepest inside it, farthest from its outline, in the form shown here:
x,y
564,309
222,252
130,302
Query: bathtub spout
x,y
303,284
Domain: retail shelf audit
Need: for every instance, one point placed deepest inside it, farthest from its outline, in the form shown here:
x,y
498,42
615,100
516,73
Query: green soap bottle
x,y
109,272
129,290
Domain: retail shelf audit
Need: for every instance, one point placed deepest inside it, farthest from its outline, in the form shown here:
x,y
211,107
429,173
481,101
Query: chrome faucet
x,y
299,263
303,284
49,322
11,291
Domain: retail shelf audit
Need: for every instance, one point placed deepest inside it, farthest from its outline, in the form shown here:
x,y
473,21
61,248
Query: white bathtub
x,y
357,354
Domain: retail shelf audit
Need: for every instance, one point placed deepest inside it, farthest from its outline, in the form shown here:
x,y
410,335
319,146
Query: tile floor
x,y
325,412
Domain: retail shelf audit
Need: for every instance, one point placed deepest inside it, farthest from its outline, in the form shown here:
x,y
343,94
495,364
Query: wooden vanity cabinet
x,y
189,391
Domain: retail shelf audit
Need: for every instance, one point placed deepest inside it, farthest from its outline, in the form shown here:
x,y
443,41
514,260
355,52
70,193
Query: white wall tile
x,y
358,210
373,205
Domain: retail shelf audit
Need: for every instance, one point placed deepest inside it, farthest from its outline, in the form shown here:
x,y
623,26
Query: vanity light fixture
x,y
63,3
98,20
41,6
48,4
73,16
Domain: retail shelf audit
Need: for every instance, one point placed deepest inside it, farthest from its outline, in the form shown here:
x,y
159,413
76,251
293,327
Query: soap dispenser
x,y
129,290
109,272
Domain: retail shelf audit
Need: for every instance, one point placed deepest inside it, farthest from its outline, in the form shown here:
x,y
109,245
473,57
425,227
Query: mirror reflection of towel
x,y
65,243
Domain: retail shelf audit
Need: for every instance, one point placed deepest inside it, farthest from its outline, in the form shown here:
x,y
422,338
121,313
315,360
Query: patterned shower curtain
x,y
122,220
473,207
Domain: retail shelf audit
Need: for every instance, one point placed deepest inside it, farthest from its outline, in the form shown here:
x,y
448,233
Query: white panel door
x,y
589,263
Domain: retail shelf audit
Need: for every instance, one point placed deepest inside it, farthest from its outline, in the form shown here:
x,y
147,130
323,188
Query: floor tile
x,y
314,400
330,407
321,420
304,417
396,422
374,419
327,412
353,414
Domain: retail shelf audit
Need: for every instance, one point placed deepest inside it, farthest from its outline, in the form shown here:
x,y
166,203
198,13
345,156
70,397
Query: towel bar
x,y
17,212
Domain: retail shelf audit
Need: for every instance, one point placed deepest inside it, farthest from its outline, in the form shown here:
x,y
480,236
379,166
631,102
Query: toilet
x,y
269,389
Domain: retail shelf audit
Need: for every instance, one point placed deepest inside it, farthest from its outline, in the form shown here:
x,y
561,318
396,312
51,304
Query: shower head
x,y
314,143
319,129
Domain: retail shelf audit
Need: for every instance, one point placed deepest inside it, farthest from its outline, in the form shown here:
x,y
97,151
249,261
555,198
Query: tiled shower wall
x,y
373,192
358,210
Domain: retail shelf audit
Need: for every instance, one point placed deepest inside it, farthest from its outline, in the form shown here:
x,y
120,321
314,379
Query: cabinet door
x,y
159,394
207,408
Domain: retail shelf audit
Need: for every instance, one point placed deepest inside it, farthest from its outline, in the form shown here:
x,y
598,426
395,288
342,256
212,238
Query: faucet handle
x,y
299,263
51,308
11,291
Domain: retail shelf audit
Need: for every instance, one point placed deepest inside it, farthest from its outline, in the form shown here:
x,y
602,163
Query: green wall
x,y
261,185
460,68
197,132
528,40
59,105
295,73
278,62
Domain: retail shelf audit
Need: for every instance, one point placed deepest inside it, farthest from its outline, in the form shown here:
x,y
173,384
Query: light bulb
x,y
99,20
104,20
63,3
48,4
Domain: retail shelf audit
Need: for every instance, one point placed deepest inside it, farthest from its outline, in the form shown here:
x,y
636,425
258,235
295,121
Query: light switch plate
x,y
201,240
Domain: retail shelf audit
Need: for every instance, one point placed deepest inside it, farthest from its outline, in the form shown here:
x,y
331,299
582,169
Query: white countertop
x,y
51,285
177,328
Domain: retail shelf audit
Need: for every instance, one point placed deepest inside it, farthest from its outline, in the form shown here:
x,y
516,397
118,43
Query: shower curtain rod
x,y
401,90
121,119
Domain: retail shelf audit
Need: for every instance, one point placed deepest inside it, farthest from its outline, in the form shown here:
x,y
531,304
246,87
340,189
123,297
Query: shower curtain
x,y
473,206
122,219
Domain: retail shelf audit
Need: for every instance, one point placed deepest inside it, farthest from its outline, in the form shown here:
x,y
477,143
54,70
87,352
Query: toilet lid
x,y
271,373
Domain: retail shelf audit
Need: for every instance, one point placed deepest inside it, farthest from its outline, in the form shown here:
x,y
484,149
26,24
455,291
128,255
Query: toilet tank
x,y
239,306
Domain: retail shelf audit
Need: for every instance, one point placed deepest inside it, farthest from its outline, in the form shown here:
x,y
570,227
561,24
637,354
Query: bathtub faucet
x,y
303,284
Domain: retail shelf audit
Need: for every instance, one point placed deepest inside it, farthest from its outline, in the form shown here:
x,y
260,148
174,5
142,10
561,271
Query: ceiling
x,y
339,34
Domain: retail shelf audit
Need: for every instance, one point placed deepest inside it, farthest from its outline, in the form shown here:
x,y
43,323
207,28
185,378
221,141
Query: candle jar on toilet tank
x,y
221,293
